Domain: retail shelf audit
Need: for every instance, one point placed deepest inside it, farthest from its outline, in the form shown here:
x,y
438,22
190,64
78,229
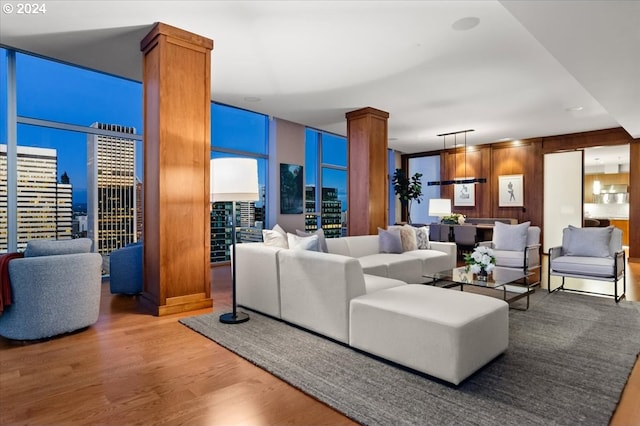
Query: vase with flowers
x,y
480,262
453,219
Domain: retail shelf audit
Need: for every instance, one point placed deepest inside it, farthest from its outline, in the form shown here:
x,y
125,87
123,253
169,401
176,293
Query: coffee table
x,y
513,283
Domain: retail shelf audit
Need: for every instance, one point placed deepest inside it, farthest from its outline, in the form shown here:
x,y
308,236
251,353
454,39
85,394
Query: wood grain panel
x,y
368,171
177,150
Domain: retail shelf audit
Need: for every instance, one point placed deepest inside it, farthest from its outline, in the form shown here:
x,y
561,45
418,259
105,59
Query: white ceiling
x,y
515,75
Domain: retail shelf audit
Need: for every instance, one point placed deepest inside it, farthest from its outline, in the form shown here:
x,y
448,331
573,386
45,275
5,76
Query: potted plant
x,y
407,189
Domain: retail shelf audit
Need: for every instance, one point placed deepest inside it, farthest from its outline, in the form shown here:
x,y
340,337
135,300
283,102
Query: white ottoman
x,y
446,333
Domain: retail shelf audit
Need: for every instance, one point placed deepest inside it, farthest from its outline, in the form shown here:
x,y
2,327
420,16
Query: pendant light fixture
x,y
465,180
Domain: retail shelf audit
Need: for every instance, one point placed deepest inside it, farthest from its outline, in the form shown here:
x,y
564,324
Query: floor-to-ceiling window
x,y
429,166
238,133
71,165
326,183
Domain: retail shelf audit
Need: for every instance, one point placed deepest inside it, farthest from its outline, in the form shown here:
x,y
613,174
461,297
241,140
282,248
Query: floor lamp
x,y
234,179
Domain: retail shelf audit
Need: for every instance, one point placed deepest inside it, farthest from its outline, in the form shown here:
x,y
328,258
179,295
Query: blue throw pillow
x,y
389,241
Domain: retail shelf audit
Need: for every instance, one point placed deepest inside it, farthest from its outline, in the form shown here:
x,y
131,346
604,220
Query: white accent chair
x,y
589,253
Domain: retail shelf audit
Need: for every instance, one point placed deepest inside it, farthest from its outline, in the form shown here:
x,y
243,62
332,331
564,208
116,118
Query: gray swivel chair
x,y
55,289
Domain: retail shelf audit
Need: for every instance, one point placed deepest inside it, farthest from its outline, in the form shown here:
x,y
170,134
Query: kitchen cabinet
x,y
624,225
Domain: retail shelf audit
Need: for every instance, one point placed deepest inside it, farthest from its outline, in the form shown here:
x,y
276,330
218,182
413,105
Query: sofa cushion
x,y
509,258
322,242
276,237
510,237
432,260
296,242
389,241
590,242
400,267
37,248
375,283
584,265
422,237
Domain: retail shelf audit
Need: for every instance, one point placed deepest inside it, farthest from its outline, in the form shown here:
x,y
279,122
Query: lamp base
x,y
230,318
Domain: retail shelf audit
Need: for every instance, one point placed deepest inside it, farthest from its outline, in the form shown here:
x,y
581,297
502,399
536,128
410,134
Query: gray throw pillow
x,y
589,242
389,241
37,248
510,237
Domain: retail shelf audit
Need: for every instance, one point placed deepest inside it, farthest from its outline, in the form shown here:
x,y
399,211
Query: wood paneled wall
x,y
526,158
490,162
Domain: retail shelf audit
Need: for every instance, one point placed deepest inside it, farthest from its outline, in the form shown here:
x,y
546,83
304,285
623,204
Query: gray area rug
x,y
568,360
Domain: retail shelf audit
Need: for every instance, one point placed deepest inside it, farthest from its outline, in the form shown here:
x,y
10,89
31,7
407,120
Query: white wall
x,y
287,145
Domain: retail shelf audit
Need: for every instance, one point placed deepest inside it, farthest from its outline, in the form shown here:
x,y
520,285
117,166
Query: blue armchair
x,y
55,289
125,270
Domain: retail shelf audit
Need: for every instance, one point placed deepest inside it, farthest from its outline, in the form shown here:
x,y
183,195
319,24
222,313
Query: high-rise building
x,y
111,189
44,207
330,212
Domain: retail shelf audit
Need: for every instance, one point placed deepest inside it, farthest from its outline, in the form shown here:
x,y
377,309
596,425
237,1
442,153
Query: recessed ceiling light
x,y
465,24
252,99
505,139
574,108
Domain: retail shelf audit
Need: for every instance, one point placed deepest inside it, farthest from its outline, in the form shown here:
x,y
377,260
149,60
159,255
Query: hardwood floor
x,y
134,368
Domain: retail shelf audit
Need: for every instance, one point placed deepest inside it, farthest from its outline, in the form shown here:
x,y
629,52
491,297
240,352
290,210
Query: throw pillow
x,y
322,243
422,238
37,248
389,241
276,237
590,242
510,237
302,243
407,236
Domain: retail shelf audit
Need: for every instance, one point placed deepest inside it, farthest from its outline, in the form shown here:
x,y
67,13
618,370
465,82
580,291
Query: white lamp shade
x,y
439,207
234,179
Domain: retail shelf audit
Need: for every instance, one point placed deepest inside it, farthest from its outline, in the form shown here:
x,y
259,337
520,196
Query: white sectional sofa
x,y
353,295
258,273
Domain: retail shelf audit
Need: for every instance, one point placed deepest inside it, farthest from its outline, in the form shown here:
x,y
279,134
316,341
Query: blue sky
x,y
53,91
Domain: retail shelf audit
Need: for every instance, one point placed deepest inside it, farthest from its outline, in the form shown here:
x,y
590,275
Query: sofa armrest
x,y
450,248
257,277
553,253
316,290
532,256
620,261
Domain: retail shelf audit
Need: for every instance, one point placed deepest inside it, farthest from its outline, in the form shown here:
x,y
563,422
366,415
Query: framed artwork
x,y
291,189
464,194
510,192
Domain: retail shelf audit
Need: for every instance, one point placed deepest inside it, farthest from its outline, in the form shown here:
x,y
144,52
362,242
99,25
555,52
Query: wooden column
x,y
177,105
368,172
